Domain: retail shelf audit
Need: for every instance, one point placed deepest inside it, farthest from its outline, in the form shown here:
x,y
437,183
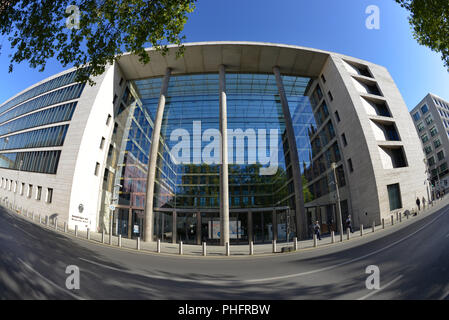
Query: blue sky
x,y
337,26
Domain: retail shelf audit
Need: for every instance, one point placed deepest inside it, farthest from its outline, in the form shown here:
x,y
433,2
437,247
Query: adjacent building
x,y
70,150
431,119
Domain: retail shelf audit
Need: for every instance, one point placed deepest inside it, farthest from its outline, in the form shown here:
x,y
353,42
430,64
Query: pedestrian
x,y
423,203
349,223
418,203
316,227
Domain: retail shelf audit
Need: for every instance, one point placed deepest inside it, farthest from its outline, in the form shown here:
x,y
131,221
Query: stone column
x,y
224,188
301,228
153,159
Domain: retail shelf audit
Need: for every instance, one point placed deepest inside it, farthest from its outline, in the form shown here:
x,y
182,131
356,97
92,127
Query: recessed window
x,y
424,109
49,195
22,188
108,120
102,143
440,155
431,161
331,97
121,82
429,119
427,149
323,78
97,168
115,99
394,196
351,168
433,131
420,126
345,142
424,138
30,190
437,143
39,193
416,116
337,116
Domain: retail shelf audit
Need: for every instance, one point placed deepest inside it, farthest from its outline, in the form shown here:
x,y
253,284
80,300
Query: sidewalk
x,y
234,250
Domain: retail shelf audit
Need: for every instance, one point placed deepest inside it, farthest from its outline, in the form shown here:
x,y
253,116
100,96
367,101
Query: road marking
x,y
219,282
50,282
29,234
383,287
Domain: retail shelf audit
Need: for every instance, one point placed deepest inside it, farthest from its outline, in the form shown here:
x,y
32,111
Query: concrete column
x,y
348,232
138,243
204,249
251,248
173,238
228,249
158,248
315,240
119,240
295,243
301,227
153,159
332,236
250,226
274,246
224,187
180,247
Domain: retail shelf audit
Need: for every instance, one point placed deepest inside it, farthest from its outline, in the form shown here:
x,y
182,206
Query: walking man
x,y
423,203
418,203
349,223
316,227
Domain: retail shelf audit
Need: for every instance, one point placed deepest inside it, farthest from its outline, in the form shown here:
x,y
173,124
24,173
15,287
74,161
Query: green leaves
x,y
430,22
107,28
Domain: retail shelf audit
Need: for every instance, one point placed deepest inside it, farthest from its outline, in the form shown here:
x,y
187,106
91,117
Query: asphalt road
x,y
413,263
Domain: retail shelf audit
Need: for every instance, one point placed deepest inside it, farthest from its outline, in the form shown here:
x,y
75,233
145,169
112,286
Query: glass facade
x,y
36,161
186,197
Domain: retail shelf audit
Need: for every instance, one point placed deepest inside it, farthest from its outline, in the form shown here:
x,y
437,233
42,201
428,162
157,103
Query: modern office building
x,y
285,112
431,119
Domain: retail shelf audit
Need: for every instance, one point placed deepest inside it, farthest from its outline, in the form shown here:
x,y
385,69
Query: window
x,y
351,168
115,99
433,131
97,168
345,142
30,190
429,119
437,143
331,97
424,109
323,78
443,168
420,127
416,116
108,120
49,195
428,149
39,193
337,116
22,188
424,138
102,143
394,195
440,155
121,82
431,161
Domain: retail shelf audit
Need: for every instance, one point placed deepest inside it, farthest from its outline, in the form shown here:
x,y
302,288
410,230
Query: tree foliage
x,y
37,31
430,22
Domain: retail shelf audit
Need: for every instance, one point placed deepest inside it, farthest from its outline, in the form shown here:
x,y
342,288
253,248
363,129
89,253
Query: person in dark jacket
x,y
316,228
418,203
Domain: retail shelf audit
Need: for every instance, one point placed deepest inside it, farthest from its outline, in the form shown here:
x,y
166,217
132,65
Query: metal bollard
x,y
65,227
333,237
341,236
407,216
374,226
274,246
361,230
295,243
88,234
347,233
102,236
315,240
76,231
204,249
397,216
228,249
138,243
110,238
120,240
251,248
40,219
400,217
56,224
392,221
383,223
158,245
180,247
47,221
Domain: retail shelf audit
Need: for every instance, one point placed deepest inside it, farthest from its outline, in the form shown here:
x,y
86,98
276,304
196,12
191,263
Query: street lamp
x,y
340,224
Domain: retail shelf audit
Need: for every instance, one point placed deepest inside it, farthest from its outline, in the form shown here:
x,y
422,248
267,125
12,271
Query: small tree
x,y
430,22
37,30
